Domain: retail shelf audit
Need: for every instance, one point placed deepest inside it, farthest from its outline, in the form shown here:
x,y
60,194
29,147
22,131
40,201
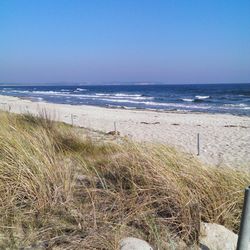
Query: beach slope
x,y
224,139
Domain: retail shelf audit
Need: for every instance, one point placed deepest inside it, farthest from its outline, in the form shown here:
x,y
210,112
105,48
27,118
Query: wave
x,y
187,100
121,107
125,107
148,103
108,97
236,106
198,98
119,95
67,90
50,92
96,96
7,89
132,101
80,89
202,97
127,95
37,92
20,91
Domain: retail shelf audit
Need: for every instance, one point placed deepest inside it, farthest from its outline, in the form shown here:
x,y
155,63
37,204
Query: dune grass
x,y
60,189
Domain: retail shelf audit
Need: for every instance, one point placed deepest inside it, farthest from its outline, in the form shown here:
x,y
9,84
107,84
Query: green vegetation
x,y
60,189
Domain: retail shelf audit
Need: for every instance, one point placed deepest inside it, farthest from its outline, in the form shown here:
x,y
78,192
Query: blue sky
x,y
171,41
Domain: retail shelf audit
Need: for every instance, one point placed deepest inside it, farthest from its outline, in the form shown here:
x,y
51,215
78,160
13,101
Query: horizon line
x,y
118,83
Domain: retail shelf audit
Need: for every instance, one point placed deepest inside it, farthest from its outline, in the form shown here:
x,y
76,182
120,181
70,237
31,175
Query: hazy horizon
x,y
101,42
113,84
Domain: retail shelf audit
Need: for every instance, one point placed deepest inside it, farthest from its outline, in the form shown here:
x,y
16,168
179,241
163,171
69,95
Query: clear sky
x,y
171,41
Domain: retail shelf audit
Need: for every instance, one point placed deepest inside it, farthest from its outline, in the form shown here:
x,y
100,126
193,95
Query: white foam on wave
x,y
5,90
142,98
197,97
150,103
117,96
49,92
236,106
187,100
21,91
127,95
123,101
56,93
108,97
126,107
67,90
85,96
121,96
79,90
202,97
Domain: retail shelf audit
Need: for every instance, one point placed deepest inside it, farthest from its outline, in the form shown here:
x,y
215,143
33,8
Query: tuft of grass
x,y
61,189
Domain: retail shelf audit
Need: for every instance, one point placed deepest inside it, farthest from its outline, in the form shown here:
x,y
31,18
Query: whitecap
x,y
201,97
67,90
150,103
118,95
239,105
21,91
127,95
49,92
122,96
187,100
80,89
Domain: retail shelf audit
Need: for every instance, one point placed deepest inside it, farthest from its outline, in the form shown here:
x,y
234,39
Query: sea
x,y
209,98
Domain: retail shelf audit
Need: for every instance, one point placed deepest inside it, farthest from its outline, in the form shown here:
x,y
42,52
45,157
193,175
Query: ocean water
x,y
209,98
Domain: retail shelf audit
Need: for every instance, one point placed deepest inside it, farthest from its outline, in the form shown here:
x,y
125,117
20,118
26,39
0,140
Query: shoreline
x,y
131,108
225,138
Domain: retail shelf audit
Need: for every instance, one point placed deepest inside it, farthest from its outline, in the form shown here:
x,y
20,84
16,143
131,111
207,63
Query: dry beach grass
x,y
62,189
224,139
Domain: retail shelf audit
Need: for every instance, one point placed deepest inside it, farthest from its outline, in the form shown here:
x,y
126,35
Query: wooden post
x,y
115,127
198,144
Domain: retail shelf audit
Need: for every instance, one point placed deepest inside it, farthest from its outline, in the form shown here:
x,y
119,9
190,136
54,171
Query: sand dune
x,y
224,139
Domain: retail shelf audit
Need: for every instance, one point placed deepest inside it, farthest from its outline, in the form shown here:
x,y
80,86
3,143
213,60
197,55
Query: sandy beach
x,y
224,139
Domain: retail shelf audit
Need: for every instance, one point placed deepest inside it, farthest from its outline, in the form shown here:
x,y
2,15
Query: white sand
x,y
219,144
